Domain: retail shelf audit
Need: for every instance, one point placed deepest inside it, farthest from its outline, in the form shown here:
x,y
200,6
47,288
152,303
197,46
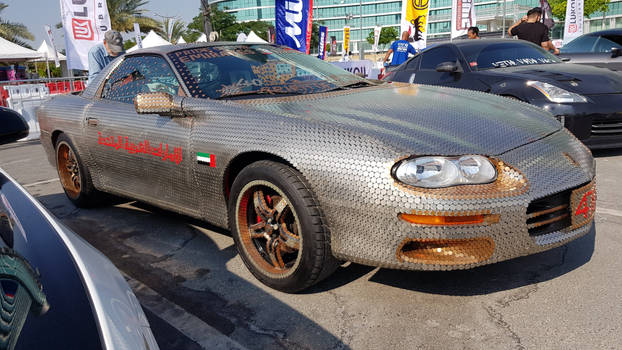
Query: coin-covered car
x,y
309,165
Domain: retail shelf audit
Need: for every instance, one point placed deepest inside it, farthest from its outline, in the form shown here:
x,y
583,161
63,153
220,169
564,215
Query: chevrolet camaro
x,y
309,165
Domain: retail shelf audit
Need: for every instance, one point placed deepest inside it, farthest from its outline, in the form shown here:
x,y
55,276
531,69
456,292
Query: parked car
x,y
308,164
600,49
586,100
56,291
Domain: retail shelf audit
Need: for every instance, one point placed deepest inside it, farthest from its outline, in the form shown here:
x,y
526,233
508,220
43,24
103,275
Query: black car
x,y
600,49
56,290
587,100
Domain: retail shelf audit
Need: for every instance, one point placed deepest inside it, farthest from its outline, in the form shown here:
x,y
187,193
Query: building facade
x,y
335,14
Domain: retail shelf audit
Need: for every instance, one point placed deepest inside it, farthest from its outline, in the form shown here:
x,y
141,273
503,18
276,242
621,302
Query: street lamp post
x,y
361,54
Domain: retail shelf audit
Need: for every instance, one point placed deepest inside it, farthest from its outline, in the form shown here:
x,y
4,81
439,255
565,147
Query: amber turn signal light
x,y
436,220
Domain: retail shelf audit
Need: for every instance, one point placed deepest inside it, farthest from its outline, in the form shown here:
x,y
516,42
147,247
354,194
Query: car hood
x,y
423,119
48,306
582,79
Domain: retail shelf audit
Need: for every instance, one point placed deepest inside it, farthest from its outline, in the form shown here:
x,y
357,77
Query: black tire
x,y
80,190
295,229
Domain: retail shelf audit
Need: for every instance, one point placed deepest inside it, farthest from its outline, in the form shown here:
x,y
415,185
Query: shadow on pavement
x,y
497,277
169,254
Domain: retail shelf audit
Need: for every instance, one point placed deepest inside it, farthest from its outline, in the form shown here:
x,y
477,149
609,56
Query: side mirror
x,y
12,126
449,67
615,52
159,103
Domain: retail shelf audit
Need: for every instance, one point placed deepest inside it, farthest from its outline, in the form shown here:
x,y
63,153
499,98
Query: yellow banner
x,y
346,40
415,19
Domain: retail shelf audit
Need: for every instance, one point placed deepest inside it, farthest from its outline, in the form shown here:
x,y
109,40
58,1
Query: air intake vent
x,y
607,128
549,214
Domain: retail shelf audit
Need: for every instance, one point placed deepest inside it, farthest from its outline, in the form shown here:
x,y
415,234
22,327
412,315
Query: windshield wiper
x,y
358,84
256,93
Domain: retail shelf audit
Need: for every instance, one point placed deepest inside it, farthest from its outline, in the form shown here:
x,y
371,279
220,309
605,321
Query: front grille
x,y
549,214
607,128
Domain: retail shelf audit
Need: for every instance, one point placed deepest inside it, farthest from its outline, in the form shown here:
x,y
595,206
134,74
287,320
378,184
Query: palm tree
x,y
172,29
14,31
124,13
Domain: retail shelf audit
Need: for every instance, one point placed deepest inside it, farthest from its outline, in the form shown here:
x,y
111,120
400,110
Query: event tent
x,y
152,39
11,52
254,38
44,48
202,38
181,40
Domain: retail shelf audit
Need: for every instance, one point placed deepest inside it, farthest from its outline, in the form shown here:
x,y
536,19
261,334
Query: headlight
x,y
436,171
556,94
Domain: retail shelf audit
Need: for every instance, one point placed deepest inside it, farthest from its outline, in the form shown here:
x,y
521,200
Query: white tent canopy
x,y
181,40
152,39
254,38
12,52
44,48
202,38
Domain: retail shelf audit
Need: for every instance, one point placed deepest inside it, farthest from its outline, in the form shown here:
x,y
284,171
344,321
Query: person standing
x,y
400,49
102,54
473,33
531,29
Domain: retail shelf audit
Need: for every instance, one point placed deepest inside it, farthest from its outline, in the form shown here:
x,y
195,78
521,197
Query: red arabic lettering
x,y
586,205
162,152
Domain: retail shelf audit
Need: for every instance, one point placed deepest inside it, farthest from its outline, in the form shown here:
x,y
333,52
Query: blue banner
x,y
322,47
293,23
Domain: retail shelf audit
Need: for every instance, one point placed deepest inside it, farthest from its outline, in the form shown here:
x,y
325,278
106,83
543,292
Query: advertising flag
x,y
293,19
333,45
84,23
377,31
415,21
462,17
48,30
573,26
547,14
322,42
139,40
346,40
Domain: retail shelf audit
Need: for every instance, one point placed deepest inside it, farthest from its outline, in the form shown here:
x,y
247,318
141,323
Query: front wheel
x,y
278,227
74,176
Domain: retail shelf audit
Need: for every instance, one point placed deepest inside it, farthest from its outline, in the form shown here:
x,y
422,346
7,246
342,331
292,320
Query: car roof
x,y
165,49
606,32
463,43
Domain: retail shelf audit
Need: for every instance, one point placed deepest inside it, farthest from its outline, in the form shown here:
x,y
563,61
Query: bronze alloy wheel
x,y
68,170
269,229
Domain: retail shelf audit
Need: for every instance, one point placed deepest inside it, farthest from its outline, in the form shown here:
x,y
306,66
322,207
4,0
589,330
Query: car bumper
x,y
372,233
598,123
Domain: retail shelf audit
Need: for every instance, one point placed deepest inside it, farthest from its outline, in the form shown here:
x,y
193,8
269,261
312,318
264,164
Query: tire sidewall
x,y
300,277
81,199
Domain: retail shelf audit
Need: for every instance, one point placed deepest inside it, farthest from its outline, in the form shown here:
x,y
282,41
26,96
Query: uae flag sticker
x,y
206,158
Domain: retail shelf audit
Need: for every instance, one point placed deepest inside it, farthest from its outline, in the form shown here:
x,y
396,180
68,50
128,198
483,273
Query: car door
x,y
142,156
430,59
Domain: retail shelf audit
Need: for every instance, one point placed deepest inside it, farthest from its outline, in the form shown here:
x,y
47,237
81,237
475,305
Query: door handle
x,y
92,121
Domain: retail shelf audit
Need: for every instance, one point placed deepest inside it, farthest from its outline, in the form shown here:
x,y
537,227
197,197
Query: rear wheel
x,y
74,176
278,227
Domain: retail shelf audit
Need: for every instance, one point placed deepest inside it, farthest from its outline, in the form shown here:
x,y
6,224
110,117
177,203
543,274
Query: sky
x,y
37,13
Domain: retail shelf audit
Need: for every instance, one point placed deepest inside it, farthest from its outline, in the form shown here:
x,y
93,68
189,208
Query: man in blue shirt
x,y
102,54
400,50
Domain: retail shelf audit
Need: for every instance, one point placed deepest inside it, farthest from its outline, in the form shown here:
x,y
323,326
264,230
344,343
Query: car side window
x,y
140,74
604,44
435,56
413,64
581,44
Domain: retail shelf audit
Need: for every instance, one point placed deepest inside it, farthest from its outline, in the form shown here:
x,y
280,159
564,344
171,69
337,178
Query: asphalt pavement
x,y
197,293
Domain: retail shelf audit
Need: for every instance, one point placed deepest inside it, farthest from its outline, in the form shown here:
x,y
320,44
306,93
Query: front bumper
x,y
598,123
371,233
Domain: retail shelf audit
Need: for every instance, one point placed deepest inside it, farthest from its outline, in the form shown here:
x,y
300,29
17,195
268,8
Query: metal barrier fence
x,y
54,86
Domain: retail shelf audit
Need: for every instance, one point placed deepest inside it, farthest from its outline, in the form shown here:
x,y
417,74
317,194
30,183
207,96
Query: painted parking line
x,y
608,211
40,182
191,326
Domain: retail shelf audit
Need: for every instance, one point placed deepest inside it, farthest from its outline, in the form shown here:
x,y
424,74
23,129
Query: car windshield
x,y
593,43
507,54
236,70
